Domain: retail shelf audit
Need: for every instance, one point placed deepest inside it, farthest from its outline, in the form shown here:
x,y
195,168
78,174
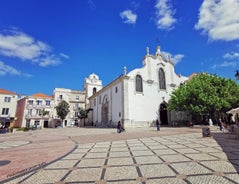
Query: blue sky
x,y
58,43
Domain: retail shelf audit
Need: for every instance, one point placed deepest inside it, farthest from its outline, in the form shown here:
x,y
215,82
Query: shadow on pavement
x,y
230,147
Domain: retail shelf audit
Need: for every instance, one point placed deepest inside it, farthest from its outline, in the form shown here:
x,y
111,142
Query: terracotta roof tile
x,y
192,75
4,91
41,95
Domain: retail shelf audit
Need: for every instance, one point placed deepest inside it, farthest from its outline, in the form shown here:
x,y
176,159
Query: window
x,y
162,83
77,98
94,91
76,114
48,102
30,102
76,108
39,102
38,111
37,123
116,89
60,97
7,99
30,112
5,111
138,83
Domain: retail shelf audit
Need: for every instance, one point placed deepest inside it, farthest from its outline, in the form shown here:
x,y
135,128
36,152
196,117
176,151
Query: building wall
x,y
144,106
29,112
10,105
20,113
75,99
138,108
111,97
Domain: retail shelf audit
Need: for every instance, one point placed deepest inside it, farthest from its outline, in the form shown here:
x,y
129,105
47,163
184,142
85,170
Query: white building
x,y
35,111
136,98
75,99
8,105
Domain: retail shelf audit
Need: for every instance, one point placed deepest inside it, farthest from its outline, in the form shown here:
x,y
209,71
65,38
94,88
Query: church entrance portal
x,y
163,114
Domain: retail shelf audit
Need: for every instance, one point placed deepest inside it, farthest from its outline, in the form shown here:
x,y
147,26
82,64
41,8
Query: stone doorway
x,y
163,114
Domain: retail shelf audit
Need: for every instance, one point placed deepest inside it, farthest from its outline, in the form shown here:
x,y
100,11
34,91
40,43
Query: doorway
x,y
163,112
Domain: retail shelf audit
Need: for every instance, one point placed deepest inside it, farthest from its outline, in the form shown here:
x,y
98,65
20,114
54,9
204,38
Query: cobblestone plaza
x,y
141,155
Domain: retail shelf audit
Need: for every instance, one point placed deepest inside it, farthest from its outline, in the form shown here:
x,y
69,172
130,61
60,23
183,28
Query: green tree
x,y
82,114
62,109
206,94
43,112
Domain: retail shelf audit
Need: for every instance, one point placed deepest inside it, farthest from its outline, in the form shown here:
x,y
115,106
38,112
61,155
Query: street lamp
x,y
237,75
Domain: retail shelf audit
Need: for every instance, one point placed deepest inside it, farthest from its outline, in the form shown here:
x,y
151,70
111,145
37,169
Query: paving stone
x,y
121,173
233,177
201,156
165,181
174,158
175,146
62,164
91,163
187,150
217,166
138,148
46,176
190,168
74,156
165,152
99,149
84,174
157,147
142,153
151,157
212,179
116,149
148,160
96,155
120,154
120,161
159,170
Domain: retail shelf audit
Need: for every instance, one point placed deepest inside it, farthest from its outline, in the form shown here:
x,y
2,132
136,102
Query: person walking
x,y
119,127
158,125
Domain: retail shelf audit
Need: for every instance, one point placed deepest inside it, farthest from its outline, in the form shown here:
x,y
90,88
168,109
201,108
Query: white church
x,y
136,98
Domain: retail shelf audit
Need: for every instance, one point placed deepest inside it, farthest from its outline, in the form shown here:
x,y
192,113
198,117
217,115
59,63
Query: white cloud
x,y
49,60
164,14
226,64
64,56
219,19
6,69
232,55
20,45
128,17
175,58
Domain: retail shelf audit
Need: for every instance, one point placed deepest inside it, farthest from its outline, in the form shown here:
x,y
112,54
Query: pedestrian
x,y
119,127
158,125
220,124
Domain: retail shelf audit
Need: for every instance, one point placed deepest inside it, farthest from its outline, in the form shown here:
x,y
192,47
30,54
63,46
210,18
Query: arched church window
x,y
139,83
94,91
162,82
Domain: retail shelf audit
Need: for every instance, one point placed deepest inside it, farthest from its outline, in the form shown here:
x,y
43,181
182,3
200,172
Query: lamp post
x,y
237,75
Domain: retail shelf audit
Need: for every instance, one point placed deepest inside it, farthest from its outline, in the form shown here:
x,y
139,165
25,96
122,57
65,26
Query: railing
x,y
37,116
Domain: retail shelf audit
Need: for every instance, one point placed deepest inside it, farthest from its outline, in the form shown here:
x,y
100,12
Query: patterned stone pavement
x,y
159,157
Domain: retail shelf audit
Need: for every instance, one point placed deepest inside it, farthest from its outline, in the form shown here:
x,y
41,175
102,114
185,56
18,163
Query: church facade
x,y
137,98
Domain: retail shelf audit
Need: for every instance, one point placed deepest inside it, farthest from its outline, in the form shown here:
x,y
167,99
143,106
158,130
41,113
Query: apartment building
x,y
35,111
75,99
8,105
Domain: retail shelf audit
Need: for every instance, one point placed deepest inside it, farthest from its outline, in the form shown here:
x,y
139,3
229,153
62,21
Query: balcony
x,y
32,106
29,116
